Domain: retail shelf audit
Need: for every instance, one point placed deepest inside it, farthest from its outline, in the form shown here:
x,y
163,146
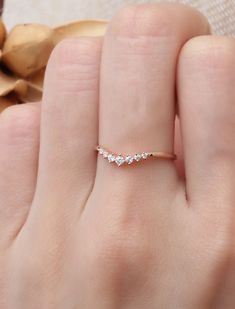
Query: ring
x,y
121,159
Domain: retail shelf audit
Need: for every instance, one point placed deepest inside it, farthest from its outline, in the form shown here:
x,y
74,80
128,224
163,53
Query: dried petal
x,y
35,87
80,28
9,84
27,48
4,103
36,81
2,32
34,94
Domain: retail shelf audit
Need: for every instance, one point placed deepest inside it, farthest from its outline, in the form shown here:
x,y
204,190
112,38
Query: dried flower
x,y
25,53
2,32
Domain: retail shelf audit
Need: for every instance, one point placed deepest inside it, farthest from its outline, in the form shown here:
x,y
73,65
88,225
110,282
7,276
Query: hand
x,y
78,232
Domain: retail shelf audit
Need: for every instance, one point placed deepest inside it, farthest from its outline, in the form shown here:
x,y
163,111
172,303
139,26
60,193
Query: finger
x,y
206,79
137,109
19,144
67,162
179,149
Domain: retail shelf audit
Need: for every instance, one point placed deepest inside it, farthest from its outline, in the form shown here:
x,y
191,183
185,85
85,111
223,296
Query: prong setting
x,y
129,159
137,157
111,158
119,160
144,155
105,154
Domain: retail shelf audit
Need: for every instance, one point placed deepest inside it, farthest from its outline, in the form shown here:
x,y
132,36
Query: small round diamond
x,y
111,158
144,155
101,151
105,154
119,160
129,159
137,157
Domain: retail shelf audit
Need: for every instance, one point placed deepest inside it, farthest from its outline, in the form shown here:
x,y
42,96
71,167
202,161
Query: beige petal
x,y
34,94
35,87
36,80
4,103
2,32
27,48
80,28
9,84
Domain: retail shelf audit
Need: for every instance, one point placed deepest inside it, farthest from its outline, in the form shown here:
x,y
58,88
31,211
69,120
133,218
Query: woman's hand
x,y
78,232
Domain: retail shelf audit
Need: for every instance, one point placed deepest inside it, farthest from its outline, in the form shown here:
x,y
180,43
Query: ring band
x,y
121,159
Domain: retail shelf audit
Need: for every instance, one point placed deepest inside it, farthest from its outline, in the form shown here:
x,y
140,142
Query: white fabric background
x,y
221,13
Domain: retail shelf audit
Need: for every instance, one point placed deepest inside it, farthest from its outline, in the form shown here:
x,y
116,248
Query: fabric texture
x,y
221,13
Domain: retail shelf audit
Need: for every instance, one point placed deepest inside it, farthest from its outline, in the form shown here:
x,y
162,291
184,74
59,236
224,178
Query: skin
x,y
77,232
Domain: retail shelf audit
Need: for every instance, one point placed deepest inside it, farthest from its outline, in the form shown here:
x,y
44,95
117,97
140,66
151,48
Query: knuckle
x,y
38,266
29,274
19,122
218,242
122,256
210,52
123,246
76,62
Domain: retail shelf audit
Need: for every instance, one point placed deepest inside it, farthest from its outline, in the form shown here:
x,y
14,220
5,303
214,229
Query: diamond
x,y
101,151
129,159
144,155
105,154
119,160
137,157
111,158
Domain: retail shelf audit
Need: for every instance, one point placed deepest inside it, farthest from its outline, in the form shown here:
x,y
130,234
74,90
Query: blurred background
x,y
221,13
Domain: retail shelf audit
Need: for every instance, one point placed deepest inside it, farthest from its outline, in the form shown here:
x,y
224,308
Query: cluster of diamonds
x,y
122,159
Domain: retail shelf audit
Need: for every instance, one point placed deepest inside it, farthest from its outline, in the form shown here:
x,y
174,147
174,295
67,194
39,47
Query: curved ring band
x,y
120,159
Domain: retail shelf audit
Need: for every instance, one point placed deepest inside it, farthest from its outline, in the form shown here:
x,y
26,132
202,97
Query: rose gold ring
x,y
121,159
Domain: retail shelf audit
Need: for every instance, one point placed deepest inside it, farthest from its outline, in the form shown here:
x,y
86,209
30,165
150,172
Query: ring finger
x,y
137,108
